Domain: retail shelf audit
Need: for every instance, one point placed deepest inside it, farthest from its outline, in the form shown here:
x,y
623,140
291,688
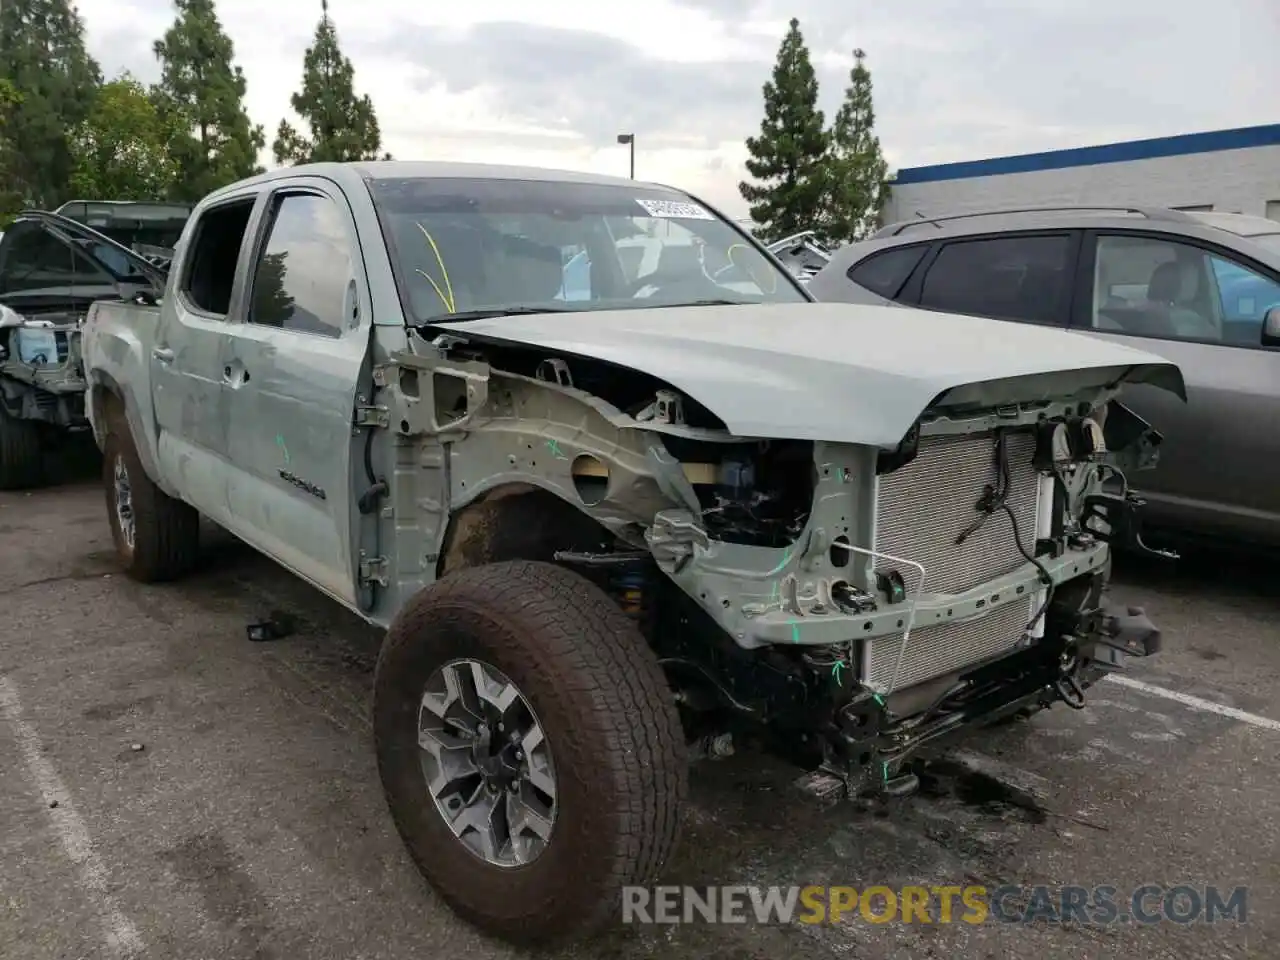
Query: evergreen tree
x,y
10,198
788,158
201,90
121,151
343,126
856,167
43,57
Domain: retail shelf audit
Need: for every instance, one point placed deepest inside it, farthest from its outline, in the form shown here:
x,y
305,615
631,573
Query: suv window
x,y
215,249
304,269
1009,278
886,271
1166,289
32,259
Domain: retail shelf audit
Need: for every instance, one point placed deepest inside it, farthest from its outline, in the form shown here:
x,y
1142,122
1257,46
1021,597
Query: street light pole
x,y
630,140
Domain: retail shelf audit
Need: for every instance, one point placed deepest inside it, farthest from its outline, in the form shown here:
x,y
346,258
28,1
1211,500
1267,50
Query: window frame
x,y
189,242
1064,310
1082,310
273,199
925,252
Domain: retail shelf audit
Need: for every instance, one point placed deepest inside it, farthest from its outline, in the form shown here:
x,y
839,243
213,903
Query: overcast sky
x,y
552,82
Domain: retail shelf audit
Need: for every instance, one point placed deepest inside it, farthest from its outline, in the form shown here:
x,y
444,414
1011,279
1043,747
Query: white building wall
x,y
1246,180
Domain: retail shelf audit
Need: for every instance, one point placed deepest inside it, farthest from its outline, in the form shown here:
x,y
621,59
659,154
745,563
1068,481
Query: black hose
x,y
368,501
994,499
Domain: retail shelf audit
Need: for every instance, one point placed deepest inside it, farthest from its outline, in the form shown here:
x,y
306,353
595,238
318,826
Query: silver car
x,y
1201,289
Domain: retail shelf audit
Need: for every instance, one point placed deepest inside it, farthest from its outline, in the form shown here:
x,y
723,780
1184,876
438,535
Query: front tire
x,y
614,771
21,453
156,537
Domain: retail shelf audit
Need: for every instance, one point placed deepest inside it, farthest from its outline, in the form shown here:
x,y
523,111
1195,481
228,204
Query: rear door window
x,y
1169,290
1024,278
886,271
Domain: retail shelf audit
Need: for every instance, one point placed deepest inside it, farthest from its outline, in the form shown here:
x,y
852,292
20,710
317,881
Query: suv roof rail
x,y
1151,213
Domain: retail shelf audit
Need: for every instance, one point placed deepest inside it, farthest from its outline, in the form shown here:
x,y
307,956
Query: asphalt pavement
x,y
169,789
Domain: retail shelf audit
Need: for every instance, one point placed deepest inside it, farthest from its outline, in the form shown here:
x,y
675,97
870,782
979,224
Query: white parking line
x,y
1195,703
121,936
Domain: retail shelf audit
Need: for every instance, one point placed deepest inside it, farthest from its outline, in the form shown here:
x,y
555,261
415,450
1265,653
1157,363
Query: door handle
x,y
163,354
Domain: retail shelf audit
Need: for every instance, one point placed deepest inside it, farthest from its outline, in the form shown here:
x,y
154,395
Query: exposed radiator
x,y
920,510
934,651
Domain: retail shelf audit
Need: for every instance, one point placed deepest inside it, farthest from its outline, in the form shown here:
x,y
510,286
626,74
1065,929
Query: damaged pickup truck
x,y
600,528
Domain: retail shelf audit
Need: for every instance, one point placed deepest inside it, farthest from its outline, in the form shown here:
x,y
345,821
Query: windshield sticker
x,y
674,210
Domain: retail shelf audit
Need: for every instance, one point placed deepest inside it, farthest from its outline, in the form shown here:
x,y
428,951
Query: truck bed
x,y
116,345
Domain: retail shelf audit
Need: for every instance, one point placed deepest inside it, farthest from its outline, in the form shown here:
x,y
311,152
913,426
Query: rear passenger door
x,y
291,374
187,358
1200,306
1024,277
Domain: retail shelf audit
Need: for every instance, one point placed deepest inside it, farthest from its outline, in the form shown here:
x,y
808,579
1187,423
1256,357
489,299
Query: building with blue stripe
x,y
1235,170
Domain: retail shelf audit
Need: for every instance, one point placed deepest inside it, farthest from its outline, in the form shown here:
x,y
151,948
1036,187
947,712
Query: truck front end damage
x,y
949,583
849,603
41,371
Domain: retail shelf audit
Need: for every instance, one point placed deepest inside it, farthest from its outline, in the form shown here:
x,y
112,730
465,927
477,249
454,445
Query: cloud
x,y
552,83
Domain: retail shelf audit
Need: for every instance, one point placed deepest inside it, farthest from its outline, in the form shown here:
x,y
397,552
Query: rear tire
x,y
600,698
21,453
156,537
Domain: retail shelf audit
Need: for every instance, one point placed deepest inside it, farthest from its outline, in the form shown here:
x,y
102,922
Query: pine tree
x,y
43,57
202,91
10,198
788,158
856,167
343,126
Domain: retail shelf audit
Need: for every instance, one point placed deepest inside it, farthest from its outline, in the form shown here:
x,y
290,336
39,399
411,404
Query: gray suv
x,y
1200,289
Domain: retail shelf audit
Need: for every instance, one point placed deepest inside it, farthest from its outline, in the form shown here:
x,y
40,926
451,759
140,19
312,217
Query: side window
x,y
1166,289
303,275
33,259
885,272
1009,278
215,248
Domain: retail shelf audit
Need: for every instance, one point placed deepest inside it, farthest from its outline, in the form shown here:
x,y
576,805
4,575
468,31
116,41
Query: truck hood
x,y
843,373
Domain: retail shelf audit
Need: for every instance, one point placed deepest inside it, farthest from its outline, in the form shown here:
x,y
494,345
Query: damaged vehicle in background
x,y
51,269
802,254
1199,288
149,229
682,501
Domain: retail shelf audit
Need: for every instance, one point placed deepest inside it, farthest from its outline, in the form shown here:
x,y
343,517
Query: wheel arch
x,y
516,521
109,400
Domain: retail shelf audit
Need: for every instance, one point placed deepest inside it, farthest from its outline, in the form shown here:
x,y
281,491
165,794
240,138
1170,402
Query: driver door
x,y
291,371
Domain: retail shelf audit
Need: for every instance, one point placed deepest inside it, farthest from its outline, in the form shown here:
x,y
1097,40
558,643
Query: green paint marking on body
x,y
795,632
554,447
283,448
786,558
835,671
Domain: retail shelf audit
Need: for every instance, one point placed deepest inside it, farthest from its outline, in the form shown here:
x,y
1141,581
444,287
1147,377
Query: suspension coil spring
x,y
630,590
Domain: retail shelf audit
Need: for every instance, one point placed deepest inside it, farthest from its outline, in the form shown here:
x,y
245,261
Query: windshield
x,y
461,245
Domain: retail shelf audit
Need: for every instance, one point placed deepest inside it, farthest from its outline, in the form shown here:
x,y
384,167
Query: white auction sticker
x,y
674,209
